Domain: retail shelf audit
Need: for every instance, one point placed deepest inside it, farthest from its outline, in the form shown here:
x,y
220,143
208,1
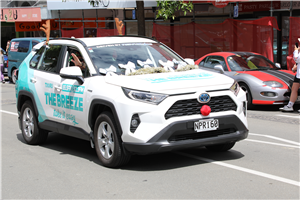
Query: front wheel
x,y
220,147
31,132
108,143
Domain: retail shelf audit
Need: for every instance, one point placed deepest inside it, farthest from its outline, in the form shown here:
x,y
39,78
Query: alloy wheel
x,y
105,140
28,123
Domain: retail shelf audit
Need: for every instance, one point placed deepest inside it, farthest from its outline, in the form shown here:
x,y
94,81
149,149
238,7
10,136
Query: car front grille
x,y
192,106
201,135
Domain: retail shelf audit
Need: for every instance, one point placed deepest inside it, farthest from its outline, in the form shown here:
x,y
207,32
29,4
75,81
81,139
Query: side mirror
x,y
189,61
219,68
73,72
278,65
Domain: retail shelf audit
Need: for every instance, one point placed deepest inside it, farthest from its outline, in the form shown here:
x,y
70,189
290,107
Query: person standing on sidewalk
x,y
2,67
296,83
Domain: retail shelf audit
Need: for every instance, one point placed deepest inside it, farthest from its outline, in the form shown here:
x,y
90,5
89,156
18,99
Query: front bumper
x,y
181,135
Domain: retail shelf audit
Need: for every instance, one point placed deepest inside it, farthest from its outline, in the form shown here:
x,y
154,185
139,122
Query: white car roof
x,y
92,41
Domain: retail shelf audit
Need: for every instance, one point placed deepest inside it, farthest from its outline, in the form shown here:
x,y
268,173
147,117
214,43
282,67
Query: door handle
x,y
33,80
58,88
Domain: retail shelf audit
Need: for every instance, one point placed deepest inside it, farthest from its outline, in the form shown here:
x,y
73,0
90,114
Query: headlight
x,y
235,88
273,84
144,96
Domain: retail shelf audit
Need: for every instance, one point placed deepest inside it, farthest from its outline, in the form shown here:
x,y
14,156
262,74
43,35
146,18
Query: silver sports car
x,y
265,82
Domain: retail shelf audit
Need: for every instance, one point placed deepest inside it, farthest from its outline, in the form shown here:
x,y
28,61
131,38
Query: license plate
x,y
206,125
5,69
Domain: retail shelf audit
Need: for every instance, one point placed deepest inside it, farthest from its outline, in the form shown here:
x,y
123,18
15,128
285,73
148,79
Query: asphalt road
x,y
264,166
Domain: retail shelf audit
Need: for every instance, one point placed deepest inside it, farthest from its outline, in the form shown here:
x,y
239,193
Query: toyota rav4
x,y
126,95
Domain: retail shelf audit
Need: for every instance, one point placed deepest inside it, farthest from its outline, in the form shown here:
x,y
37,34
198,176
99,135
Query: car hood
x,y
173,82
285,77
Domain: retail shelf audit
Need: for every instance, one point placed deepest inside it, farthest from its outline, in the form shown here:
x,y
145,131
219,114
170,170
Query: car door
x,y
46,64
73,95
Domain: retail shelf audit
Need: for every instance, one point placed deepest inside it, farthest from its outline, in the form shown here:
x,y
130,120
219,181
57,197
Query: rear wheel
x,y
108,143
248,95
31,132
220,147
13,77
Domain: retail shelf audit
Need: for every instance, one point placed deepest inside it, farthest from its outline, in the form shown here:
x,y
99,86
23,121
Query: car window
x,y
34,43
71,61
50,59
212,61
261,62
36,58
14,46
237,63
116,57
23,46
202,62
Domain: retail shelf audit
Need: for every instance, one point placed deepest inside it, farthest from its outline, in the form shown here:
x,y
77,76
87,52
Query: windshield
x,y
237,63
118,57
249,62
260,62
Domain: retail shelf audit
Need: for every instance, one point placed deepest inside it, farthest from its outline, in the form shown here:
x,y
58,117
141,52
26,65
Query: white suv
x,y
134,95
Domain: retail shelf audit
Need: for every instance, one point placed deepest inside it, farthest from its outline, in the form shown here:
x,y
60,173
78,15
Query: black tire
x,y
31,132
248,95
108,142
220,147
13,77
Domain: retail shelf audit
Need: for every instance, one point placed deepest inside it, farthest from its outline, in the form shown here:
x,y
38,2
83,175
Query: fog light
x,y
268,94
134,123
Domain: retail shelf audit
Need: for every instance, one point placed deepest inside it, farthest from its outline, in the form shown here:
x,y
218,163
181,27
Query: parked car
x,y
126,98
5,62
264,81
18,50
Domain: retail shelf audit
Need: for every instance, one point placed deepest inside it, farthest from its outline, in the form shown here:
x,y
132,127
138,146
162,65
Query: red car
x,y
264,82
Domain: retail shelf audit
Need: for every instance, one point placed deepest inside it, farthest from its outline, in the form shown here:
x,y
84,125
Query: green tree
x,y
167,8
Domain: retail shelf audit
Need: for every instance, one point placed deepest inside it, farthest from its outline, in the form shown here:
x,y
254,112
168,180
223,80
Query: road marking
x,y
250,171
296,117
9,112
276,138
278,144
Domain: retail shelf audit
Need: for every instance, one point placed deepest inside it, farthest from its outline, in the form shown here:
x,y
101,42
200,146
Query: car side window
x,y
50,59
202,62
36,58
212,61
23,46
74,62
